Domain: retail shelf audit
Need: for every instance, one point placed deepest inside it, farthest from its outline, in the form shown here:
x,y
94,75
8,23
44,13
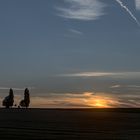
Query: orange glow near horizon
x,y
99,103
87,99
70,100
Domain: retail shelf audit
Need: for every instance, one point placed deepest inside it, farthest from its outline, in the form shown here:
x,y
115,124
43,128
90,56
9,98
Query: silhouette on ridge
x,y
26,101
9,100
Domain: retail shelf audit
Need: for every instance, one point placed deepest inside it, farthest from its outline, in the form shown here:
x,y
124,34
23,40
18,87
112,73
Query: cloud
x,y
116,86
7,88
4,88
137,4
82,9
126,86
103,74
129,100
75,32
133,86
128,11
88,74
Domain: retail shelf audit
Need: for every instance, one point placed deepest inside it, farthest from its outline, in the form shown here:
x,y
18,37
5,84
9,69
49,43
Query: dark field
x,y
69,124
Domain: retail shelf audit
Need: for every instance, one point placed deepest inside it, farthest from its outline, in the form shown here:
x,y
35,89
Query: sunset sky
x,y
71,53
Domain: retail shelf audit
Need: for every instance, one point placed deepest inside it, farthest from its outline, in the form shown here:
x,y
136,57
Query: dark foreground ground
x,y
78,124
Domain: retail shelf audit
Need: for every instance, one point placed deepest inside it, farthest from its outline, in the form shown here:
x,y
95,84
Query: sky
x,y
71,53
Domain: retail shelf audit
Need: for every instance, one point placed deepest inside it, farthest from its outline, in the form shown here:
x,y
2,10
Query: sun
x,y
99,103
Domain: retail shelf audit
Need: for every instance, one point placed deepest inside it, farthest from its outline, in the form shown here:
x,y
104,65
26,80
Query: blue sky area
x,y
71,51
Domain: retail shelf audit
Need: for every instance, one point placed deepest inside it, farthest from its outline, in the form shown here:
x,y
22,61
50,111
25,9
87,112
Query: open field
x,y
70,124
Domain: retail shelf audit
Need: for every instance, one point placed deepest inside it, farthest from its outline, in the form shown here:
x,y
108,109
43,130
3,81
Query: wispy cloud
x,y
115,86
4,88
136,87
75,32
7,88
137,4
128,10
102,74
88,74
82,9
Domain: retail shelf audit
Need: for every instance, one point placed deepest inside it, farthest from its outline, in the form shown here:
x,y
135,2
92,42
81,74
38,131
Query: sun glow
x,y
100,103
71,100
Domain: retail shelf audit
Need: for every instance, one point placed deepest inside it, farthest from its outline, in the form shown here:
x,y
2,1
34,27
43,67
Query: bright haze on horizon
x,y
71,53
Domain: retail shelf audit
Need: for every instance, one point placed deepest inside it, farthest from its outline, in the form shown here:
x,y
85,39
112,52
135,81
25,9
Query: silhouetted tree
x,y
8,100
26,101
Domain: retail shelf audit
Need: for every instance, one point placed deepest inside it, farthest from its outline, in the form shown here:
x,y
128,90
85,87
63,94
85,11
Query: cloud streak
x,y
82,10
88,74
115,86
136,87
128,11
7,88
102,74
137,4
75,32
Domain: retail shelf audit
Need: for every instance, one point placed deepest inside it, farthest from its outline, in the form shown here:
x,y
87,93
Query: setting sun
x,y
100,103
